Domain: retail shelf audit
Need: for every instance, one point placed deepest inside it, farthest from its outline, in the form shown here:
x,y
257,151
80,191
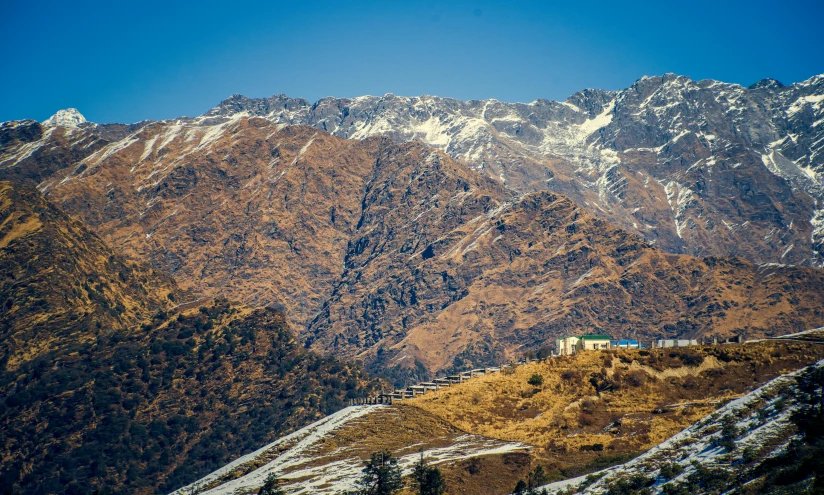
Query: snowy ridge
x,y
294,443
676,161
669,128
296,460
697,443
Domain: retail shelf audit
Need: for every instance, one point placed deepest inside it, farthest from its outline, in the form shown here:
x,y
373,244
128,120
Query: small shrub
x,y
585,419
636,485
729,432
690,383
588,406
590,479
636,378
569,375
691,358
473,466
748,455
544,352
670,470
536,380
712,479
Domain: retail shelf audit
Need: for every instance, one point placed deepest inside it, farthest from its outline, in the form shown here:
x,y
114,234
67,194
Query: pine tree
x,y
271,486
428,480
536,478
381,475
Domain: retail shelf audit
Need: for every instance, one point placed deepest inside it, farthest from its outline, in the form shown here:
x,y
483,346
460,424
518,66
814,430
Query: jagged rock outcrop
x,y
697,167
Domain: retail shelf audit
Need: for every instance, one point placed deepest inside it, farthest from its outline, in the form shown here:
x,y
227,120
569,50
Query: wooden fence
x,y
423,387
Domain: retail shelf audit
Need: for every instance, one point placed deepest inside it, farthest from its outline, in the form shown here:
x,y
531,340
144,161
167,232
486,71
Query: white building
x,y
675,342
566,346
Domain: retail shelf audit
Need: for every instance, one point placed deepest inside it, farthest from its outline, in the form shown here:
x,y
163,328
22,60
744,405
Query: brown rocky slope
x,y
399,255
61,282
704,168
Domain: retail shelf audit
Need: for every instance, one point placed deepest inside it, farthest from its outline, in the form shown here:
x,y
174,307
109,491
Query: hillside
x,y
108,387
150,409
62,283
705,168
766,442
376,250
598,407
593,410
326,456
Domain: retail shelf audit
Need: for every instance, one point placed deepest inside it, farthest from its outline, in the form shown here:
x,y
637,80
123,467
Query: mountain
x,y
112,382
31,151
397,254
696,167
508,226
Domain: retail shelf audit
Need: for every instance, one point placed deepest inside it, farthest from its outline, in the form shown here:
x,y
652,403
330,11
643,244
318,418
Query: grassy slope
x,y
60,283
598,408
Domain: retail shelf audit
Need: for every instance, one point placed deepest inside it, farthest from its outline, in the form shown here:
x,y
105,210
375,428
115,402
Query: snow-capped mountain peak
x,y
658,158
69,117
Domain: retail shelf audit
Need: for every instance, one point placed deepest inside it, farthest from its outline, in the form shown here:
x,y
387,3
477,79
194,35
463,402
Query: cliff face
x,y
399,255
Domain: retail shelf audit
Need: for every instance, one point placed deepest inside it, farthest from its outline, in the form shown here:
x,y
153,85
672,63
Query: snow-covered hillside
x,y
749,429
327,456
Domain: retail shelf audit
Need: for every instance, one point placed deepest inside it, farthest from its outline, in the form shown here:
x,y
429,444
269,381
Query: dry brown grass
x,y
599,404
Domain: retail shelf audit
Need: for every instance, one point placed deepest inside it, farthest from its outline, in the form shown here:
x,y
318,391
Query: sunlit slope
x,y
598,407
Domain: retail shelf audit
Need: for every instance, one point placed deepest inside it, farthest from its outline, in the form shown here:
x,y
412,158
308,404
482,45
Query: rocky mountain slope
x,y
31,151
61,283
108,385
697,167
398,254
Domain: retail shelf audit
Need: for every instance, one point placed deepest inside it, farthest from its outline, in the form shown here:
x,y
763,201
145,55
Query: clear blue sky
x,y
128,61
